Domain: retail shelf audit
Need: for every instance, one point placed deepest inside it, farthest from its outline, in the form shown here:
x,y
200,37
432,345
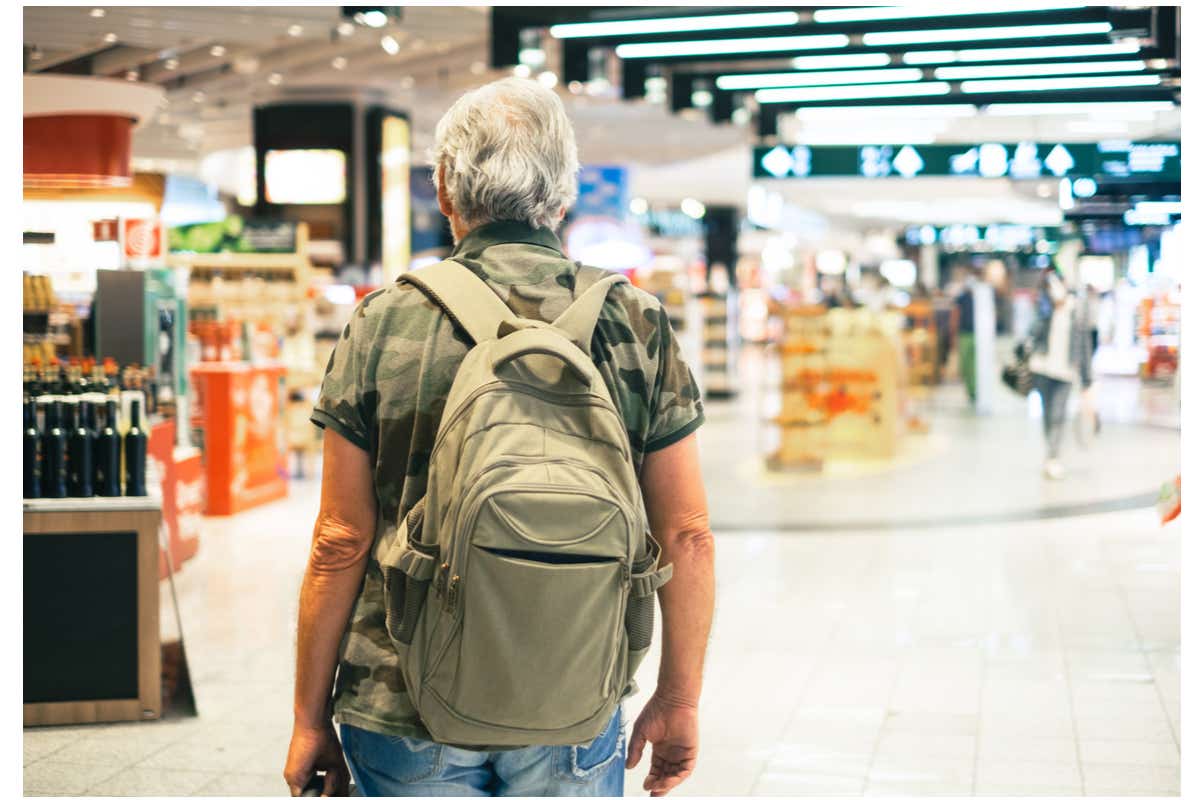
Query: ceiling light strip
x,y
1059,84
878,112
1021,53
925,10
776,79
646,27
766,44
1117,109
870,91
1033,70
847,61
878,38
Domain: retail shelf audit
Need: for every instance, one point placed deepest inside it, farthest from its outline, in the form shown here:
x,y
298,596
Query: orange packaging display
x,y
239,414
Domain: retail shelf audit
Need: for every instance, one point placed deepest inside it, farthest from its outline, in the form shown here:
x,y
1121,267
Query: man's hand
x,y
316,750
673,730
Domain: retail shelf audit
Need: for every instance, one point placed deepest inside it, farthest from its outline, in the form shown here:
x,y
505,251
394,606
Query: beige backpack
x,y
520,589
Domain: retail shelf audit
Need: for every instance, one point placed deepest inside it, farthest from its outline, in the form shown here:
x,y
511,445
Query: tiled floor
x,y
1038,657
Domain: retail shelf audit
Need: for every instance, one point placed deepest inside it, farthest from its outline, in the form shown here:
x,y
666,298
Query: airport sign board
x,y
1024,160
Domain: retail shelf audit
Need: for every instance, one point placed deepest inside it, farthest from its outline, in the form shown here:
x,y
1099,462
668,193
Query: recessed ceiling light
x,y
522,71
478,68
98,13
575,87
295,30
389,45
217,50
171,64
274,79
346,29
339,62
372,19
110,38
548,79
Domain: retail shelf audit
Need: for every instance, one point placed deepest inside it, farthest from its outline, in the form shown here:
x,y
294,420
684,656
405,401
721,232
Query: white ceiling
x,y
443,52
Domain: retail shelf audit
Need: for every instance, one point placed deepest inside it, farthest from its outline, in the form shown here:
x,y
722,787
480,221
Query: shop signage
x,y
1020,161
105,230
143,239
603,192
234,235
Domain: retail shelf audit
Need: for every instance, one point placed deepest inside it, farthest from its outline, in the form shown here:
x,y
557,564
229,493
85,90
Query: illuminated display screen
x,y
394,164
1024,160
305,177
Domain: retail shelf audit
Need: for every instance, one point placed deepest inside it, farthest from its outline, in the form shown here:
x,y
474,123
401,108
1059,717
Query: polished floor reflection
x,y
1038,656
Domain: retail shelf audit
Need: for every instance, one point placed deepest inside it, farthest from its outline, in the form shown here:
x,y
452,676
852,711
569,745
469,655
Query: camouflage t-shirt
x,y
386,385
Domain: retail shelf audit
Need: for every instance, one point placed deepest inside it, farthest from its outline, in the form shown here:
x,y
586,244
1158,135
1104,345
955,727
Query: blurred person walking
x,y
965,302
505,169
1060,354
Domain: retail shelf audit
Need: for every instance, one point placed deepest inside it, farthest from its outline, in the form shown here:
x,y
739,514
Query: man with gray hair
x,y
505,168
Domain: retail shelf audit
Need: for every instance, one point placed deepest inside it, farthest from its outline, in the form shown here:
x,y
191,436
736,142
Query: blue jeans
x,y
393,766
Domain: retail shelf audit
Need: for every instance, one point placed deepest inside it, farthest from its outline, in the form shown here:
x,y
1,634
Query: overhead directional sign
x,y
1021,161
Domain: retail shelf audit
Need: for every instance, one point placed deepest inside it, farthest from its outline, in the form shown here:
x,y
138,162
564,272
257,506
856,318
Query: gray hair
x,y
508,153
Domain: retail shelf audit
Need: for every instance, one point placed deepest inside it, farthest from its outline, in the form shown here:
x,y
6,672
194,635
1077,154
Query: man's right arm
x,y
673,490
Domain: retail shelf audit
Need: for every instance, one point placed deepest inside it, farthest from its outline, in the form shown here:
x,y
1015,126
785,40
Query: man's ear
x,y
443,197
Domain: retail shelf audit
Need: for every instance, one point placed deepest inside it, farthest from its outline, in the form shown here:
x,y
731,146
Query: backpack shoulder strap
x,y
578,322
465,298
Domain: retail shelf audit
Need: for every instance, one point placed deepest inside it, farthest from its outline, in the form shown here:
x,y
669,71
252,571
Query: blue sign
x,y
603,192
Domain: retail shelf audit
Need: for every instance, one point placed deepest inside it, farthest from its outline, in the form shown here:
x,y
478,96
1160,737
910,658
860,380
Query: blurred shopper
x,y
1060,355
506,168
965,301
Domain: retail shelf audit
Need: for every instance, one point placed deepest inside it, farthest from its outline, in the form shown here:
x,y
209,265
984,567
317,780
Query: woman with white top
x,y
1061,356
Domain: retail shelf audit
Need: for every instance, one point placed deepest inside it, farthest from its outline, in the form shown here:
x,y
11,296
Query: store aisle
x,y
1040,657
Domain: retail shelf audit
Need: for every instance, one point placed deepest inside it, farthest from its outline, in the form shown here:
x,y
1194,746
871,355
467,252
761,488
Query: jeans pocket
x,y
402,759
590,759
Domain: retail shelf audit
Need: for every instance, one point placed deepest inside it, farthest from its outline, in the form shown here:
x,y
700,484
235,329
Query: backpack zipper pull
x,y
439,582
453,594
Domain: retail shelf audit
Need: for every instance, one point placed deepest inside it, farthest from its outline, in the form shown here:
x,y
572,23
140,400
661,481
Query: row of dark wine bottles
x,y
74,453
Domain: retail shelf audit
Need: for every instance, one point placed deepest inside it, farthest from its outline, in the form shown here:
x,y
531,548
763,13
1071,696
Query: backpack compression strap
x,y
465,298
578,322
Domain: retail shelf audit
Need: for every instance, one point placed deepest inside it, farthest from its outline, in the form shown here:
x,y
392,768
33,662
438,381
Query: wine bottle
x,y
80,466
135,453
108,454
32,465
54,453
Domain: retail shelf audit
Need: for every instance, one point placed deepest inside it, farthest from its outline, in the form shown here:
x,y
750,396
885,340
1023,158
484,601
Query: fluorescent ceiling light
x,y
1028,70
772,79
877,112
848,61
637,27
985,34
1059,84
765,44
1127,108
816,95
931,10
1021,53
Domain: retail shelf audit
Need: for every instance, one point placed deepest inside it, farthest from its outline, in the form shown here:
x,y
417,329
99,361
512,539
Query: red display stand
x,y
237,418
182,494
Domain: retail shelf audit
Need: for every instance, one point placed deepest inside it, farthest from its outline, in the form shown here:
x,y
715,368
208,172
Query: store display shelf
x,y
45,504
253,262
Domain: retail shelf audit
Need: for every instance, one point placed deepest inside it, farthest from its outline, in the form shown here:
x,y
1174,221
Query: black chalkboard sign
x,y
80,612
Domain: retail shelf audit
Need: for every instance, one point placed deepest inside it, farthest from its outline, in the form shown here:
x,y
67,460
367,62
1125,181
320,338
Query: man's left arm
x,y
342,538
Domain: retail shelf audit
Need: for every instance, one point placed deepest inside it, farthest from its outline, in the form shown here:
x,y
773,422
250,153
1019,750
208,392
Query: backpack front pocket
x,y
544,659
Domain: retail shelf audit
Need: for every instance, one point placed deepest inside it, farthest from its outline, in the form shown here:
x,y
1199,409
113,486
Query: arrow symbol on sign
x,y
908,161
1059,160
777,161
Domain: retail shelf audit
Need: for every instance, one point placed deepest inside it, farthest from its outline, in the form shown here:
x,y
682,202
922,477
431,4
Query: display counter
x,y
237,419
91,637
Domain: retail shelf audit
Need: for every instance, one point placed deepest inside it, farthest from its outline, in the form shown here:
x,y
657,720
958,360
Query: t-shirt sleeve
x,y
676,409
340,404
